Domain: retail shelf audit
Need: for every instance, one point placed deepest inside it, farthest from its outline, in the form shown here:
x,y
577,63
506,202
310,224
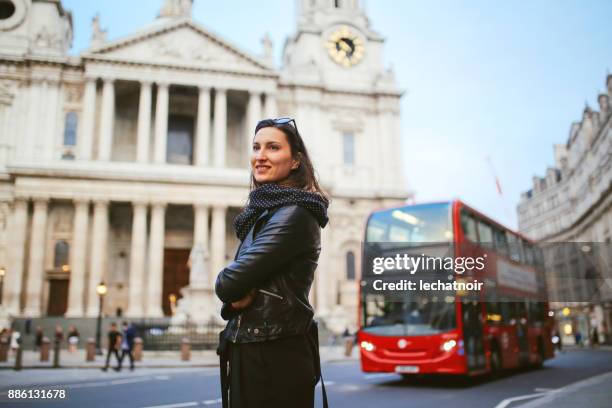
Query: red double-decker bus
x,y
452,331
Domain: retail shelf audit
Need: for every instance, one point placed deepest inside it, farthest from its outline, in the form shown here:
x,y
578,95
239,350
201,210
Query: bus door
x,y
473,334
522,332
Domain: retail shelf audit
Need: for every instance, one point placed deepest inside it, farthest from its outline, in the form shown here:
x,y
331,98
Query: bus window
x,y
536,312
494,315
515,247
468,225
504,308
528,250
501,242
416,223
485,233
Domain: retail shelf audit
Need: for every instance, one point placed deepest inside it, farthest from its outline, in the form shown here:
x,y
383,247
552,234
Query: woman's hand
x,y
245,301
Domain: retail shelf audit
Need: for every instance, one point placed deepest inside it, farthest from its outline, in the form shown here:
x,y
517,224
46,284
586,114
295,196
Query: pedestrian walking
x,y
59,334
127,344
269,349
114,342
73,339
38,337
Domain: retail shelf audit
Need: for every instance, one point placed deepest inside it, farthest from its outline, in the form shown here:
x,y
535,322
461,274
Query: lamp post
x,y
101,290
2,273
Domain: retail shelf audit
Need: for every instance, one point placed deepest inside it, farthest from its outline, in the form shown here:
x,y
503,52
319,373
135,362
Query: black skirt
x,y
277,373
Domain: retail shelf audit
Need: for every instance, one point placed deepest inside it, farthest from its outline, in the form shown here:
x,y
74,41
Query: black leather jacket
x,y
278,257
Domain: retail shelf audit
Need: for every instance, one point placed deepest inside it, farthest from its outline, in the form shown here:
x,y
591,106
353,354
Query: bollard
x,y
137,349
44,349
90,349
348,347
185,349
4,349
18,358
56,354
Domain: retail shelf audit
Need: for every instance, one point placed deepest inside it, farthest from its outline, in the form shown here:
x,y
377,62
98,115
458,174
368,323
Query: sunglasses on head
x,y
277,121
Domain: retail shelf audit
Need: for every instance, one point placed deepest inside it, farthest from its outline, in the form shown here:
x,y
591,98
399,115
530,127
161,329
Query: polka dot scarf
x,y
272,195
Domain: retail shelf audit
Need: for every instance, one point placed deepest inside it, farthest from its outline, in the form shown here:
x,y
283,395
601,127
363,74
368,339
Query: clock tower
x,y
335,46
347,105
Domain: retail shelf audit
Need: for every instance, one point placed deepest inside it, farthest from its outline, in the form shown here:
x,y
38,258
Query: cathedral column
x,y
78,252
200,233
36,264
85,142
161,124
200,225
107,120
14,273
156,260
138,251
253,116
220,127
203,128
144,123
99,254
271,109
217,241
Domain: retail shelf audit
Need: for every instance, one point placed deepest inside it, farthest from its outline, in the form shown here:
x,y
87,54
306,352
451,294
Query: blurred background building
x,y
116,162
573,203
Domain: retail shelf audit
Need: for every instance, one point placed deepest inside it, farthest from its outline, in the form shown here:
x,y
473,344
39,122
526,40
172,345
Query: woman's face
x,y
271,160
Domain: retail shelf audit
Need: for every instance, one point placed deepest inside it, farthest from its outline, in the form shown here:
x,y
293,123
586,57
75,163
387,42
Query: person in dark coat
x,y
38,337
127,344
268,344
114,342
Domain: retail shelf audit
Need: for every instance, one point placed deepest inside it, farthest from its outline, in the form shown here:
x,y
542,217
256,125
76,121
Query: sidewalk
x,y
594,392
154,359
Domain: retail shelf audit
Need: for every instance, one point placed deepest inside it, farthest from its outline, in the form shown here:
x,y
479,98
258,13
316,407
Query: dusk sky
x,y
482,79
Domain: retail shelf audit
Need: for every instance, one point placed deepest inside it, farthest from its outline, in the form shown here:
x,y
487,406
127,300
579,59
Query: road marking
x,y
178,405
508,401
162,377
327,383
379,375
129,381
212,401
544,389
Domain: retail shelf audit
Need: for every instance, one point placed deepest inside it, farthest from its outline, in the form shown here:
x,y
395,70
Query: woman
x,y
273,358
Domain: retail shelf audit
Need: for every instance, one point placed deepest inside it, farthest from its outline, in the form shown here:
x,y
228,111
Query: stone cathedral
x,y
114,163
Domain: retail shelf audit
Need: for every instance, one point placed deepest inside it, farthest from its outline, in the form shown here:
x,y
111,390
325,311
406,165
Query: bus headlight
x,y
448,345
367,346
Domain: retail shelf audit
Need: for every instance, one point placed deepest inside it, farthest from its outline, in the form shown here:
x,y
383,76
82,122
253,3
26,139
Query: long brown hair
x,y
304,176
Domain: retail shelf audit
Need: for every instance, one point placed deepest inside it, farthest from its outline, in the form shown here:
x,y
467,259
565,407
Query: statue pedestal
x,y
198,305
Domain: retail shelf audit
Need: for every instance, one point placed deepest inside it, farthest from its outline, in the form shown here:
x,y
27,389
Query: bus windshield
x,y
418,315
415,223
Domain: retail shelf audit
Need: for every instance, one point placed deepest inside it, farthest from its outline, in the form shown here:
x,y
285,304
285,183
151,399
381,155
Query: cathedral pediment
x,y
179,43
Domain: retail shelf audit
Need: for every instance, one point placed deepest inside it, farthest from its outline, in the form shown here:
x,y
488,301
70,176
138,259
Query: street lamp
x,y
2,273
101,290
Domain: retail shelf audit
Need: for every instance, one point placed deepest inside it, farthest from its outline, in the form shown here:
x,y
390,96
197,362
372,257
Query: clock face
x,y
345,47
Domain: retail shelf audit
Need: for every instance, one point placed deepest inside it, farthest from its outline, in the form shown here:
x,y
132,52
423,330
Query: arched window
x,y
350,265
60,254
70,129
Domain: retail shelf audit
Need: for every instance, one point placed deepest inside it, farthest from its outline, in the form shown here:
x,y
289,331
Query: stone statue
x,y
198,275
98,36
176,8
266,42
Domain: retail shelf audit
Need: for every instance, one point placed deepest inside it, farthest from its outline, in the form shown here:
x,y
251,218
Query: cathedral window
x,y
70,129
350,265
60,255
180,139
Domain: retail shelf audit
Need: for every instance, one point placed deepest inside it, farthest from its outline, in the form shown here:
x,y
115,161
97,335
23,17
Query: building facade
x,y
573,203
116,162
